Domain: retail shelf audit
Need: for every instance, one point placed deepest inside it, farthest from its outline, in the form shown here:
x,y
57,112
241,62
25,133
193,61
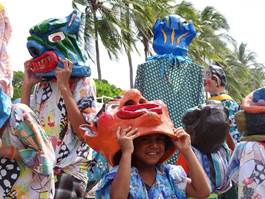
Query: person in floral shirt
x,y
62,104
147,178
247,164
137,136
27,157
64,97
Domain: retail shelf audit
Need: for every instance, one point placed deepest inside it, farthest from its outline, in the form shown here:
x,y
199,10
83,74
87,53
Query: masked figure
x,y
63,98
247,164
171,75
27,157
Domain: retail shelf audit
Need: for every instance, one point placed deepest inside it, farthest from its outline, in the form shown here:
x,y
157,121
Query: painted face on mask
x,y
211,81
56,39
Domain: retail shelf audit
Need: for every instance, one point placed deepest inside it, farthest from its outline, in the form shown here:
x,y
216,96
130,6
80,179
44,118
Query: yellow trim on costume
x,y
164,35
181,37
221,97
172,37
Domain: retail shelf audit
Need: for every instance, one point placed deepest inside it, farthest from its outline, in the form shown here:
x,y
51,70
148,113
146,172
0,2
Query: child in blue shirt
x,y
136,136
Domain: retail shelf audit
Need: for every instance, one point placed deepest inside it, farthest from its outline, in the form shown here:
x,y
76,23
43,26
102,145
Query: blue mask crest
x,y
172,35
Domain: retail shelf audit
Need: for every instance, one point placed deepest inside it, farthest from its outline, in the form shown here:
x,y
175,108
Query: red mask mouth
x,y
45,63
134,111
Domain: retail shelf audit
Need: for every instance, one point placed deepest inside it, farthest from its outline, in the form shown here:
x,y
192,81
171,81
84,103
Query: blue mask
x,y
54,38
172,35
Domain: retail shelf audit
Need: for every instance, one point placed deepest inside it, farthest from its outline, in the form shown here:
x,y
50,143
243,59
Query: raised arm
x,y
120,186
198,186
29,80
74,114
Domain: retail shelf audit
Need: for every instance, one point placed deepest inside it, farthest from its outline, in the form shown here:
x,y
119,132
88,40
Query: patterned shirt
x,y
32,176
73,156
218,161
247,169
171,182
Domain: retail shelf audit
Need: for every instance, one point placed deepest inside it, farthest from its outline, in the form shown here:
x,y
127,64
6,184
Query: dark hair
x,y
207,127
219,72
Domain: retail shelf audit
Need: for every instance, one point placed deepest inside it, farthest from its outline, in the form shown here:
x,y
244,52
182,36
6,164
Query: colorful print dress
x,y
171,182
73,156
247,169
32,176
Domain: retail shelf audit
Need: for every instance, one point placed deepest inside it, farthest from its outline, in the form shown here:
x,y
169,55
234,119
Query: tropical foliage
x,y
104,88
17,84
123,24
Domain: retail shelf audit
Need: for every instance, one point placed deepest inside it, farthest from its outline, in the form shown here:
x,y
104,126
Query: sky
x,y
246,20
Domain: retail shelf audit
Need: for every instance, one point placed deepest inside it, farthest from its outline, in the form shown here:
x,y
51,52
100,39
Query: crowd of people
x,y
55,143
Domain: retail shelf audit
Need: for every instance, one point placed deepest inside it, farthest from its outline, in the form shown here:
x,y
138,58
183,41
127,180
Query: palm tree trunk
x,y
129,39
146,47
129,56
97,47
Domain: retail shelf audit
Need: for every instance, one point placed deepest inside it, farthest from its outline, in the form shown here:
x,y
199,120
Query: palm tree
x,y
256,70
101,24
145,20
138,18
211,27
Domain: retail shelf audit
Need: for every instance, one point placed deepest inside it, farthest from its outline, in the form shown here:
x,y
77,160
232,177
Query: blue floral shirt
x,y
171,182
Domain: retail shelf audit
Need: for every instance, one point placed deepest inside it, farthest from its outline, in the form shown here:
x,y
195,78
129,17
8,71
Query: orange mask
x,y
133,110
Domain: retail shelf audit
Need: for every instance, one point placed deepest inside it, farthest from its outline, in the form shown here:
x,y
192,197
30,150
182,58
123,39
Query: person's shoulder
x,y
173,170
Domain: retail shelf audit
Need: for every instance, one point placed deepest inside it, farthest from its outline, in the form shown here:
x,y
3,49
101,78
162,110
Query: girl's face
x,y
149,149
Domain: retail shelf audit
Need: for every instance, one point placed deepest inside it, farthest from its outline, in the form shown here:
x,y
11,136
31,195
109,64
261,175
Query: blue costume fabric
x,y
171,182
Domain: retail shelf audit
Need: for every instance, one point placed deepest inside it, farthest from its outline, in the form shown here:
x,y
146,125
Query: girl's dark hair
x,y
207,127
